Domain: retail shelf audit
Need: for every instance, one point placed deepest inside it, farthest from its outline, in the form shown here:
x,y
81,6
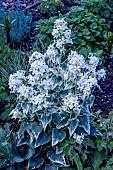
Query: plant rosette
x,y
54,98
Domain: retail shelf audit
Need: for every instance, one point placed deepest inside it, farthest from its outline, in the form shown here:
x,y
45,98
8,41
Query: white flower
x,y
25,91
79,138
93,61
66,76
61,33
101,73
36,56
71,102
16,80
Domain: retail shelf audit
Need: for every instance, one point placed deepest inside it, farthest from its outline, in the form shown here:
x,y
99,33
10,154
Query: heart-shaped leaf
x,y
57,136
51,167
85,123
56,158
73,126
64,122
35,163
36,129
45,119
42,139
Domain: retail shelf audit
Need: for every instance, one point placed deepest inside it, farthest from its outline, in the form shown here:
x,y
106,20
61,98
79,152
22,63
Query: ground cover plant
x,y
51,119
51,7
88,31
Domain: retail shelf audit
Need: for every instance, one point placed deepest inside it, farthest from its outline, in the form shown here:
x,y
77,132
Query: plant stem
x,y
107,137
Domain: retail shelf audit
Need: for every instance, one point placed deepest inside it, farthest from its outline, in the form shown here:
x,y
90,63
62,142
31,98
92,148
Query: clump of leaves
x,y
51,7
88,31
99,7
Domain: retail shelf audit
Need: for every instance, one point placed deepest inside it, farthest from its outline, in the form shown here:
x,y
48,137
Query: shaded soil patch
x,y
104,96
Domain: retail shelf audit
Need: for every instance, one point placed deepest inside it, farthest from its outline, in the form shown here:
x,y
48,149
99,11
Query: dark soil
x,y
104,96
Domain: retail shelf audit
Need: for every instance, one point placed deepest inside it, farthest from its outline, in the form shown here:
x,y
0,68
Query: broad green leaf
x,y
57,136
2,134
24,126
94,131
93,25
5,148
98,53
98,158
34,163
86,32
77,161
73,126
56,118
22,154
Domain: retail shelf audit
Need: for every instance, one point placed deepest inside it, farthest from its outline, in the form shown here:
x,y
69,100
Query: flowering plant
x,y
54,98
51,7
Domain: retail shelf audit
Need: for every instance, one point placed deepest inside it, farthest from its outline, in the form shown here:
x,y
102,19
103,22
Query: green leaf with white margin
x,y
34,163
36,130
56,118
25,106
73,126
42,139
45,119
85,123
57,136
22,155
51,167
57,158
64,122
24,127
24,141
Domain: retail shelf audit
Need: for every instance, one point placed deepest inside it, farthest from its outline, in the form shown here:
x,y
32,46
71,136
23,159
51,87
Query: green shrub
x,y
99,7
51,7
88,31
54,101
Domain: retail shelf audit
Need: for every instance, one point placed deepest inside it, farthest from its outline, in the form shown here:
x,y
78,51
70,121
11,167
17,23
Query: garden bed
x,y
47,119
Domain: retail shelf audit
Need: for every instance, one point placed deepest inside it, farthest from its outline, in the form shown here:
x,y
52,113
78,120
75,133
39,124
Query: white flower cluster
x,y
71,102
47,78
16,80
79,138
61,34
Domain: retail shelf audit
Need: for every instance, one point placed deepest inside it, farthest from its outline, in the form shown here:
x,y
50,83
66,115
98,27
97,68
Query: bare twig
x,y
32,6
107,138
